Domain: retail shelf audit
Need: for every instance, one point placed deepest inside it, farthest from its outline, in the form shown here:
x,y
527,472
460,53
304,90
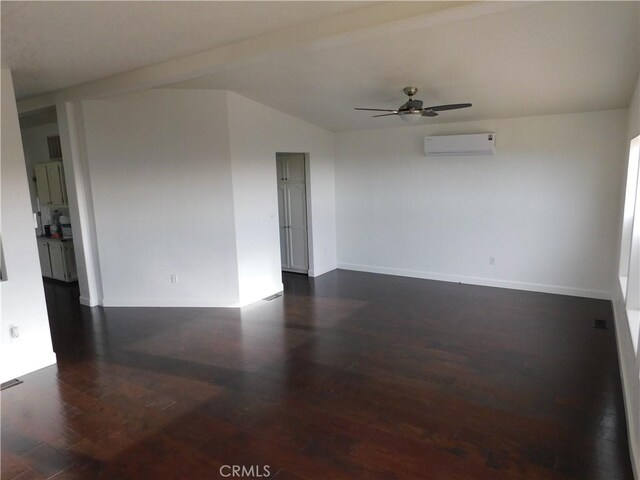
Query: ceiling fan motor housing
x,y
411,105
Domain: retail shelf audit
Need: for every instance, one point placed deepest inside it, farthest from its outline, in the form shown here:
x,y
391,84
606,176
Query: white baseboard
x,y
166,303
87,302
316,272
487,282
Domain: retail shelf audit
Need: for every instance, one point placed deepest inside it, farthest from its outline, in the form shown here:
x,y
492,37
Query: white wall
x,y
255,139
160,174
184,182
545,206
76,170
628,357
23,303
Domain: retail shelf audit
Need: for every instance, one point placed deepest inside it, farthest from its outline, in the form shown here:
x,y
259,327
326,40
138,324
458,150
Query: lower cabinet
x,y
57,260
45,262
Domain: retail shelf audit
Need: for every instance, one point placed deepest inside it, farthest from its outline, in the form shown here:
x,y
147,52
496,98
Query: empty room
x,y
320,240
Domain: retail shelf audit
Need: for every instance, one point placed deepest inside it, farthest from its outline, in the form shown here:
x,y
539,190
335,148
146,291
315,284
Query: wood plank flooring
x,y
346,376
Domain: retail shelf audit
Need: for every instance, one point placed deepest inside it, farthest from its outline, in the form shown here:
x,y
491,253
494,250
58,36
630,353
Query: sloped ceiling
x,y
54,45
535,58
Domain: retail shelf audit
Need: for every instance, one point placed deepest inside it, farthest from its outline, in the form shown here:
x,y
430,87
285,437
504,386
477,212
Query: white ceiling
x,y
54,45
543,58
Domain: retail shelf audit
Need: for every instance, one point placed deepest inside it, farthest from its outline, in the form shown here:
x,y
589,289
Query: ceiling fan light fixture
x,y
413,116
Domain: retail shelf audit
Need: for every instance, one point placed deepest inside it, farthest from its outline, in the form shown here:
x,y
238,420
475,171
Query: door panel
x,y
297,205
57,261
42,184
282,222
297,212
295,167
55,184
298,249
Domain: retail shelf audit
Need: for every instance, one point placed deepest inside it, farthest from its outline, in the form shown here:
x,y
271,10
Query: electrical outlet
x,y
174,278
14,331
492,261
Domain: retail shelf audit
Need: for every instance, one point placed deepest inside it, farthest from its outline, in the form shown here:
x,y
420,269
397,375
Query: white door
x,y
42,183
292,209
297,227
45,262
56,189
282,220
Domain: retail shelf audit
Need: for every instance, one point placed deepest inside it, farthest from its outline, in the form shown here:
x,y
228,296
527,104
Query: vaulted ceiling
x,y
54,45
318,60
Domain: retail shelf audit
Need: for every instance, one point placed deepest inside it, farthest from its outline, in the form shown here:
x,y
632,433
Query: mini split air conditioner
x,y
454,145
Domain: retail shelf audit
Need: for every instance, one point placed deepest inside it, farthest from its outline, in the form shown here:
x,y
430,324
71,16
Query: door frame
x,y
307,188
79,197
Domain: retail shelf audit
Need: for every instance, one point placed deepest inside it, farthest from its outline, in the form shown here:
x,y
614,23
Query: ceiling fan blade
x,y
452,106
376,109
384,115
429,113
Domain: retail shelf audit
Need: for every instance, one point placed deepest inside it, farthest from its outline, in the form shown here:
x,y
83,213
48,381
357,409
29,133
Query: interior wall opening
x,y
53,227
293,219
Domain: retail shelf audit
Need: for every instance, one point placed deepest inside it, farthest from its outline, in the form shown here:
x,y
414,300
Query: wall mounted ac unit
x,y
454,145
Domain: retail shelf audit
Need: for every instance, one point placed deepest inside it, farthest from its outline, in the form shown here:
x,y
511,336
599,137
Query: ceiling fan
x,y
412,110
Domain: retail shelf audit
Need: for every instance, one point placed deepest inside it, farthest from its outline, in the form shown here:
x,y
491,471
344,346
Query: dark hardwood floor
x,y
350,375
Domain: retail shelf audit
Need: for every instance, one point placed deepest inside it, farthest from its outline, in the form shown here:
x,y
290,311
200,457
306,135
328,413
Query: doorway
x,y
53,230
292,212
48,191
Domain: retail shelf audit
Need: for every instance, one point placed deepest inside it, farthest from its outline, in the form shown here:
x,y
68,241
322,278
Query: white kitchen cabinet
x,y
57,259
45,260
42,183
50,183
292,212
56,254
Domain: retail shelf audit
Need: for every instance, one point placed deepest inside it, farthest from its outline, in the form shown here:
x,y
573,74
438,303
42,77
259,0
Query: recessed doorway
x,y
292,212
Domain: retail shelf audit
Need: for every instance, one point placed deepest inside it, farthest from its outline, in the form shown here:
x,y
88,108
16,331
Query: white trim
x,y
307,206
622,325
307,195
488,282
87,302
295,270
321,271
164,302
